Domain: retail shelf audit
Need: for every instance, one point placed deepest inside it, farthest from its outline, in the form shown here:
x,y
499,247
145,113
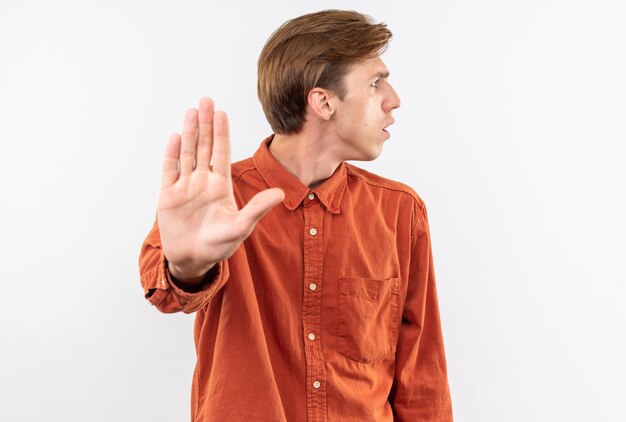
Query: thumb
x,y
260,204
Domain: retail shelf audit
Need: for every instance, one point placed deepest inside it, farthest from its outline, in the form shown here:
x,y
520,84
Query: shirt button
x,y
312,286
316,384
313,232
311,196
311,336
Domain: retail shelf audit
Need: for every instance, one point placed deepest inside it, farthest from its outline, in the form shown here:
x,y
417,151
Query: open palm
x,y
199,221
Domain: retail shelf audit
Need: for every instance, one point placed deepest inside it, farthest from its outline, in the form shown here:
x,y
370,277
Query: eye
x,y
375,83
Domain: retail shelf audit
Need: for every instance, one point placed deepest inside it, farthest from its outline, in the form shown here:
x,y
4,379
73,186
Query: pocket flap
x,y
367,288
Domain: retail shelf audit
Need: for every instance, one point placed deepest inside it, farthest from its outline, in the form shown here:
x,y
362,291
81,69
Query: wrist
x,y
186,276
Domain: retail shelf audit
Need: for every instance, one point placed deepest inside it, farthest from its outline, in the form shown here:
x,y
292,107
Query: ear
x,y
321,103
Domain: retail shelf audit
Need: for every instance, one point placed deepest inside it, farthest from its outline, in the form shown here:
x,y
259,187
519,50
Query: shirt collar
x,y
276,176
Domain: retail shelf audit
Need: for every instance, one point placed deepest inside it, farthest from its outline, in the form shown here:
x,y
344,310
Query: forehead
x,y
368,69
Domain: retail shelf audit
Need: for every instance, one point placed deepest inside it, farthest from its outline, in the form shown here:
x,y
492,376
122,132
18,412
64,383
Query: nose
x,y
392,101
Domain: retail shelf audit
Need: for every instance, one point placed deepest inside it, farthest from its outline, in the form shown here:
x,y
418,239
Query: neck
x,y
307,156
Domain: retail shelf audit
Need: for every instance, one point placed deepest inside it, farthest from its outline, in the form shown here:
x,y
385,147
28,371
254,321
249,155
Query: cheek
x,y
361,115
372,114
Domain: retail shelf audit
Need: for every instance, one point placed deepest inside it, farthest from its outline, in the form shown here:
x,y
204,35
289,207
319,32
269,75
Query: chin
x,y
376,151
376,155
370,155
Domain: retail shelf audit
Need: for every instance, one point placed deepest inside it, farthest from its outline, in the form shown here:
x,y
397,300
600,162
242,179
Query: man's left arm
x,y
420,389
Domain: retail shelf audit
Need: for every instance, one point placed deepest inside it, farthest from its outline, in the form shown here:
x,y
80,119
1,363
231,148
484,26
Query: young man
x,y
312,280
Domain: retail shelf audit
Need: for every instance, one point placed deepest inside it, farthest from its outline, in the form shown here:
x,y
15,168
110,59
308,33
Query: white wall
x,y
511,129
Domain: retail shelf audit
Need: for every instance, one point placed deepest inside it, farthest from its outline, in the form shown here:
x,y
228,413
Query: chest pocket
x,y
367,318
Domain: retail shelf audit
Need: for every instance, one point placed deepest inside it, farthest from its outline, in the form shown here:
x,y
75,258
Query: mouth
x,y
392,121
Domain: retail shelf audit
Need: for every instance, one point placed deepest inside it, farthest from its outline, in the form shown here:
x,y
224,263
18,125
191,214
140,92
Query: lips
x,y
392,121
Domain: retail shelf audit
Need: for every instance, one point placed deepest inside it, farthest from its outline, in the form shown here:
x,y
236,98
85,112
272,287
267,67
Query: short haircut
x,y
313,50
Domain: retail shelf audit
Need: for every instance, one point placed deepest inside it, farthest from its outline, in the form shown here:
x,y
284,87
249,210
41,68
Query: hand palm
x,y
198,217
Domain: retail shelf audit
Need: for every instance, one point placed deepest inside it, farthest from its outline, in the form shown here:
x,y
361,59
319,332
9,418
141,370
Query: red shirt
x,y
328,311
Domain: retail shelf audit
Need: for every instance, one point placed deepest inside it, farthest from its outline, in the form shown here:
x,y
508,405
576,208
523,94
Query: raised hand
x,y
198,217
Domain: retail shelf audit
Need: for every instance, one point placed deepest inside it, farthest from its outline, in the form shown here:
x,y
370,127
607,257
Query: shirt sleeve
x,y
159,286
420,390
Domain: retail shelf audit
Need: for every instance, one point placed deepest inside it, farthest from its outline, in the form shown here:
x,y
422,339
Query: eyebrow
x,y
380,75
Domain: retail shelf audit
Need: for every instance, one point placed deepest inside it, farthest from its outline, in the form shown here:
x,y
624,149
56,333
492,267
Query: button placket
x,y
311,309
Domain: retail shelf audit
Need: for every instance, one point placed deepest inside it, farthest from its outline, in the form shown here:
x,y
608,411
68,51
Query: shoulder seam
x,y
418,220
417,201
380,185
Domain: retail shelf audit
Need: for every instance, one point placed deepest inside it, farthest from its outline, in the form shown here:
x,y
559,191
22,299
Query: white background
x,y
511,129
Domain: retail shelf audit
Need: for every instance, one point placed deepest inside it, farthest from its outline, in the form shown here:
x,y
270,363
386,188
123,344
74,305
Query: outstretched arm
x,y
198,217
199,223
